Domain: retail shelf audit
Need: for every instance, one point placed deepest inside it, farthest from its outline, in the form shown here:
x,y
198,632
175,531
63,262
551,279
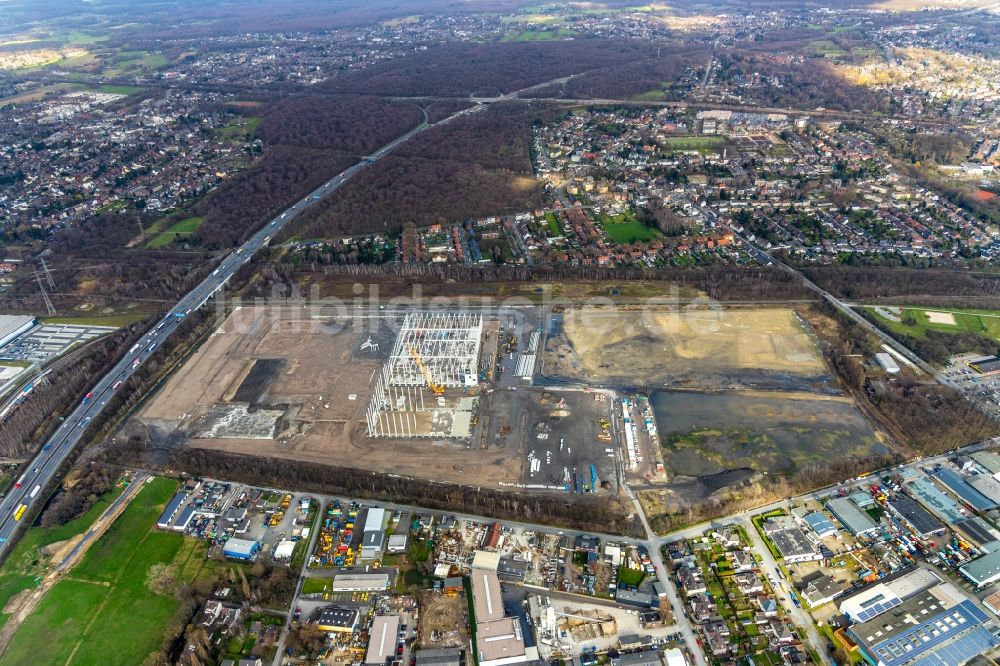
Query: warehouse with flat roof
x,y
937,626
441,657
241,549
819,524
370,582
335,619
382,640
790,540
915,516
13,326
988,460
171,510
959,485
486,596
984,570
854,520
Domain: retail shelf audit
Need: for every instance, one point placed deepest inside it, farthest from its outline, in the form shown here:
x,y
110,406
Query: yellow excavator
x,y
436,389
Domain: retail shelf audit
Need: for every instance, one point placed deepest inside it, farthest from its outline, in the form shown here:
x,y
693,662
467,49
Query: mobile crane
x,y
435,388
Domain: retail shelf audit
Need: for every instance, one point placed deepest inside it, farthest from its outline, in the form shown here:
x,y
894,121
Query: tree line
x,y
723,283
585,513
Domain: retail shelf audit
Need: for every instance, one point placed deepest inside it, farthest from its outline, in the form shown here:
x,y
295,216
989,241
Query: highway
x,y
27,490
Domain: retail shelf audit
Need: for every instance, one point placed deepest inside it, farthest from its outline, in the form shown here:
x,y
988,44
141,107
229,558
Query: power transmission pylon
x,y
48,303
48,274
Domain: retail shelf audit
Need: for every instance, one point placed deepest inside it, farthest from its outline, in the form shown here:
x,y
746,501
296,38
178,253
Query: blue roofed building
x,y
171,510
241,549
956,483
819,524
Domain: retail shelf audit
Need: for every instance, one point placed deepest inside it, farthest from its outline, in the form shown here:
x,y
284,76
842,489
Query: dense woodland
x,y
627,80
355,125
475,166
908,285
804,85
486,69
308,139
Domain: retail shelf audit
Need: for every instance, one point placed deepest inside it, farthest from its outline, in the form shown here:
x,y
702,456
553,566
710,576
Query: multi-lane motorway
x,y
27,491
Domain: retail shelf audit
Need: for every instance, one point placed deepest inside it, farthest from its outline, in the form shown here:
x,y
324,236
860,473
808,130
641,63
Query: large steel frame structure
x,y
447,343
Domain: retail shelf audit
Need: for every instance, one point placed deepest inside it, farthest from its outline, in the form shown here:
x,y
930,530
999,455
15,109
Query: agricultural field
x,y
768,432
178,230
917,321
81,619
706,348
119,89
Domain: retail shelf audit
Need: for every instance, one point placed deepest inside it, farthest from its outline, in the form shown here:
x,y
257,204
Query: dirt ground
x,y
443,621
554,434
682,346
705,434
323,367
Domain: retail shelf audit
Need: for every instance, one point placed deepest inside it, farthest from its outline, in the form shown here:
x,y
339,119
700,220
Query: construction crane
x,y
435,388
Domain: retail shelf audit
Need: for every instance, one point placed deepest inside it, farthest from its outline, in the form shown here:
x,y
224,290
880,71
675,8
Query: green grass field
x,y
239,128
316,585
185,227
915,322
26,561
117,320
537,35
103,612
650,96
119,90
699,143
625,229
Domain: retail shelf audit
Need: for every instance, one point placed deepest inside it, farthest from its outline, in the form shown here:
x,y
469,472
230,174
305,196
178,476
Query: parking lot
x,y
46,341
985,387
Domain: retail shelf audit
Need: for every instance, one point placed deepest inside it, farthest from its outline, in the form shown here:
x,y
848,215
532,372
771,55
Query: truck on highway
x,y
17,484
35,490
116,385
86,398
20,511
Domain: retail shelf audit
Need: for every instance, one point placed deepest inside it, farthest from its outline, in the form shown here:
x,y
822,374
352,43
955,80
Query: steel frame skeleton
x,y
447,343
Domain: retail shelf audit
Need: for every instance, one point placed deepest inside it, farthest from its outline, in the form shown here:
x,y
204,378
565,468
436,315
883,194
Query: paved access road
x,y
27,490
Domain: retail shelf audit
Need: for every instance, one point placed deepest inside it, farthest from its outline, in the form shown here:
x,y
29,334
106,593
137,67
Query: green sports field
x,y
916,321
